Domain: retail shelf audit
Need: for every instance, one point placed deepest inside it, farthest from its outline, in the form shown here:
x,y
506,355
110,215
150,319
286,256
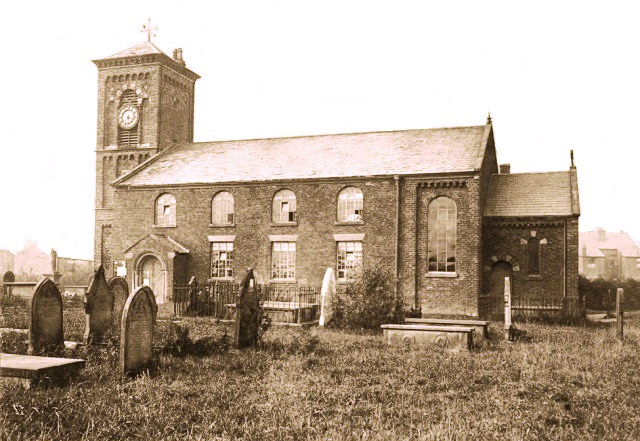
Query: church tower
x,y
145,105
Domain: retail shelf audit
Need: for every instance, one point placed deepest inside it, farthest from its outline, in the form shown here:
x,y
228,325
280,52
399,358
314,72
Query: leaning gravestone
x,y
99,308
120,289
45,328
327,293
248,314
136,334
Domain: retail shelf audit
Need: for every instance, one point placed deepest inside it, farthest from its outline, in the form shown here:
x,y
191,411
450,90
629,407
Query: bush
x,y
367,300
600,294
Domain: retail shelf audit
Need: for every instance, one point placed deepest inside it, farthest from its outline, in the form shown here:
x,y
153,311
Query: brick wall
x,y
506,240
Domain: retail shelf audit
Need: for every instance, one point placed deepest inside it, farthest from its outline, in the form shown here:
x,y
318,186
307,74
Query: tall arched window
x,y
442,222
166,210
284,207
350,203
222,209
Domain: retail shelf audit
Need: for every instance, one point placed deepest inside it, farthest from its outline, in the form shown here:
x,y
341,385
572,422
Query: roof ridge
x,y
321,135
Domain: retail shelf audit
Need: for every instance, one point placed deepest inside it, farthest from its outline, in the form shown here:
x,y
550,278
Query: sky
x,y
555,75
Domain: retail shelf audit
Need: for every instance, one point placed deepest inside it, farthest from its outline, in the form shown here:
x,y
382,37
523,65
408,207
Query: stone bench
x,y
429,335
24,370
479,325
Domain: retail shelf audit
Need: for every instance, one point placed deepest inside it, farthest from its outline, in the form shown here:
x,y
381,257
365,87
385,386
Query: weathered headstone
x,y
248,313
507,309
99,308
45,328
327,294
136,334
620,313
120,289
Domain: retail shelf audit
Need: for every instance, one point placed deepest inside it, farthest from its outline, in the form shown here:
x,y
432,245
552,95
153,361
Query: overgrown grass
x,y
554,383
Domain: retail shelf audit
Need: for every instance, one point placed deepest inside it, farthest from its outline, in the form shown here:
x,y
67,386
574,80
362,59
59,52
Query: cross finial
x,y
489,118
149,30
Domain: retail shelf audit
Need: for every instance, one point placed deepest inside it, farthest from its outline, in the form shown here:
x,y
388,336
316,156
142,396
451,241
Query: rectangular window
x,y
349,258
283,260
222,259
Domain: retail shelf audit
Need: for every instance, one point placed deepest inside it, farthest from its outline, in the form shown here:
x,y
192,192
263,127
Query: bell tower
x,y
145,105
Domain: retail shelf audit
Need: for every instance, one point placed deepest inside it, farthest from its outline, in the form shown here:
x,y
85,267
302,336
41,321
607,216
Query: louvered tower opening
x,y
128,137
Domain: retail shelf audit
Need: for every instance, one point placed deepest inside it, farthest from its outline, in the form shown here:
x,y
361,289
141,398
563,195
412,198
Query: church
x,y
432,205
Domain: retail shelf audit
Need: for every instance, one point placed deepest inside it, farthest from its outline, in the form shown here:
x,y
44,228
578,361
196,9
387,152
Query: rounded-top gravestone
x,y
45,328
136,333
120,289
327,293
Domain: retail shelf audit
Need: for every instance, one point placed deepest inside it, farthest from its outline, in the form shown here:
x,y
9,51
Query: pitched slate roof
x,y
530,194
445,150
592,242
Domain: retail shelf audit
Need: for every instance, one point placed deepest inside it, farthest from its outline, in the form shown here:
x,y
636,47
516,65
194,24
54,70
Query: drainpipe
x,y
396,268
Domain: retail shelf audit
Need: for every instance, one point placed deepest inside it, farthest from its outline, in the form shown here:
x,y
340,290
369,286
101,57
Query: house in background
x,y
6,261
612,256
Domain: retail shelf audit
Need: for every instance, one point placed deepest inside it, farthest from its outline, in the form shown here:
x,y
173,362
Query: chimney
x,y
505,169
602,234
177,56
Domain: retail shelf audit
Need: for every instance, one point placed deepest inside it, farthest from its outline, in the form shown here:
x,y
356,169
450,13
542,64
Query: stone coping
x,y
462,322
30,366
420,327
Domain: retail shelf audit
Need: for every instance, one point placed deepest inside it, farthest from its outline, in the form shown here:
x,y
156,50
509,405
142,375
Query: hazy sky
x,y
555,75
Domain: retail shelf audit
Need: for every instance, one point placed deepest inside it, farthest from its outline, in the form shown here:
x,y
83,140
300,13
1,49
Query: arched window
x,y
166,210
350,204
222,209
533,256
442,222
284,207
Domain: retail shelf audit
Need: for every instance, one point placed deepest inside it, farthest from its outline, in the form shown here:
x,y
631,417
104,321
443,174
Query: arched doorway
x,y
151,272
499,271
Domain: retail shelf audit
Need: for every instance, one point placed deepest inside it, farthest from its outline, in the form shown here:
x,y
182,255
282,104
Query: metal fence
x,y
283,303
522,308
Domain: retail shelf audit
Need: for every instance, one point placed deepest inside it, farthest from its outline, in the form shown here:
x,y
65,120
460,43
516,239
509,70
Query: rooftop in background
x,y
592,242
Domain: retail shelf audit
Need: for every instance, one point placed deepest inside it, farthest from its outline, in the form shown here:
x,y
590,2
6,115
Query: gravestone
x,y
248,314
45,328
136,333
99,308
508,328
327,293
120,290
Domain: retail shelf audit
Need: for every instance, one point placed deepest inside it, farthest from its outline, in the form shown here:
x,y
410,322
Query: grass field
x,y
554,383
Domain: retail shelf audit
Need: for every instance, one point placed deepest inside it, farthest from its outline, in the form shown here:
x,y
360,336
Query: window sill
x,y
337,223
164,226
285,224
222,225
435,275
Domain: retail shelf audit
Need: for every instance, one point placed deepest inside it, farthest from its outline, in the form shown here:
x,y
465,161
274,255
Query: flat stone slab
x,y
480,326
426,335
30,367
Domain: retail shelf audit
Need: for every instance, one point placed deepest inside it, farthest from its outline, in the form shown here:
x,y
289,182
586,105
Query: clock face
x,y
128,116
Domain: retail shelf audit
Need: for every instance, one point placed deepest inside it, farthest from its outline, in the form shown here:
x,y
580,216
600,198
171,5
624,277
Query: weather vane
x,y
149,30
